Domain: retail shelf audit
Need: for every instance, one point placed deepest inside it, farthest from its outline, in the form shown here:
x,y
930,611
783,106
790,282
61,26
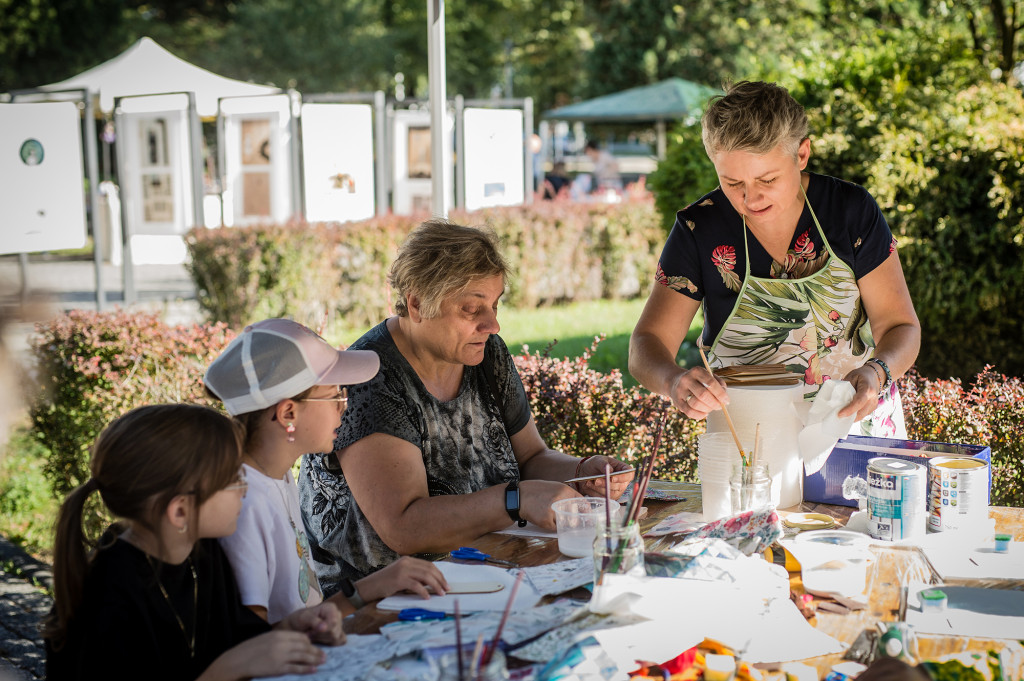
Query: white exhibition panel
x,y
257,166
156,180
337,162
494,152
412,188
43,189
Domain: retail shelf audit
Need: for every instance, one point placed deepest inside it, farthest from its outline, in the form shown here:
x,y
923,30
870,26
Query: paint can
x,y
958,489
897,507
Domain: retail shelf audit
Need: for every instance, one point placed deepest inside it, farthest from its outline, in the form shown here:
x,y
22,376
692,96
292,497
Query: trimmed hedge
x,y
99,365
558,252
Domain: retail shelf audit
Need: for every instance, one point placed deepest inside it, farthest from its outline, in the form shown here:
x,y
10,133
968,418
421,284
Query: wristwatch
x,y
351,593
512,503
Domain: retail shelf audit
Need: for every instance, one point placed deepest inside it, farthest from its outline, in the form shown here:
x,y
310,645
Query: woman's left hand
x,y
865,381
595,488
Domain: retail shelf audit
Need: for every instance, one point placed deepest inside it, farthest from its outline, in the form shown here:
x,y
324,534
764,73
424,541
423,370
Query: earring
x,y
183,529
291,432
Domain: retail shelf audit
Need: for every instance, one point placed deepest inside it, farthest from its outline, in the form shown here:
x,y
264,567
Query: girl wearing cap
x,y
155,598
440,447
288,387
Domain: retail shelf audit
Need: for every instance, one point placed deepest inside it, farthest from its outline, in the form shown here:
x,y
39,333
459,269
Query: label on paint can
x,y
957,492
896,499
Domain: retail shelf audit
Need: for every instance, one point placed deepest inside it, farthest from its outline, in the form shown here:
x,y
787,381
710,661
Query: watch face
x,y
512,498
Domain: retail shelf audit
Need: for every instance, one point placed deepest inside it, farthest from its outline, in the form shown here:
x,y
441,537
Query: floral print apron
x,y
815,325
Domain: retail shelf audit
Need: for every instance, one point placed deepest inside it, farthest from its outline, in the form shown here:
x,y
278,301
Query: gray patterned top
x,y
463,441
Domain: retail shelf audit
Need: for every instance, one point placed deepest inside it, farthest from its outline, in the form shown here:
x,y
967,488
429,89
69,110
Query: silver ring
x,y
688,398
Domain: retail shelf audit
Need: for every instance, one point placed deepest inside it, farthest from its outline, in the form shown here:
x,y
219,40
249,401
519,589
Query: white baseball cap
x,y
276,359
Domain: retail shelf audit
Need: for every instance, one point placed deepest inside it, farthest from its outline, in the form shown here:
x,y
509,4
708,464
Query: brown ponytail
x,y
140,462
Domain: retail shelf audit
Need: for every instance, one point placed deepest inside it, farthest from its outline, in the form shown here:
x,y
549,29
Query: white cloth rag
x,y
823,428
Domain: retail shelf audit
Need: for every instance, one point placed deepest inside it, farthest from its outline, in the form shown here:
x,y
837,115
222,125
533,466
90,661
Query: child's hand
x,y
321,623
274,653
405,574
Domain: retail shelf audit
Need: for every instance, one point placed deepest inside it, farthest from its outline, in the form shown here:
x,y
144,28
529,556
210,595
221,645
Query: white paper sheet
x,y
971,611
560,577
965,555
754,616
349,662
530,530
456,572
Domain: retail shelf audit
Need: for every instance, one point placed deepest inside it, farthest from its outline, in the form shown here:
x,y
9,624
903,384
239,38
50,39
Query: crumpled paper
x,y
823,428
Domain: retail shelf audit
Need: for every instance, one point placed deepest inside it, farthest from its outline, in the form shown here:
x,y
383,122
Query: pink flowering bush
x,y
93,367
989,412
585,412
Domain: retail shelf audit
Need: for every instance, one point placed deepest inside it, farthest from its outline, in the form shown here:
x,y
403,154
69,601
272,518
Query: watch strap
x,y
513,508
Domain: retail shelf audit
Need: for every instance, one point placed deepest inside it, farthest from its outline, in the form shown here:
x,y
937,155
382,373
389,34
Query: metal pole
x,y
438,105
380,167
126,232
196,152
298,193
460,152
528,155
92,173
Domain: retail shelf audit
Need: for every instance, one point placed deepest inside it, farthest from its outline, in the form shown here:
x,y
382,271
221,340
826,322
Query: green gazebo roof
x,y
670,99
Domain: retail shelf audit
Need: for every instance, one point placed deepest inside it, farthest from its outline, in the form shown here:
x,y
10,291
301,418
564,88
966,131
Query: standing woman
x,y
156,598
440,447
790,266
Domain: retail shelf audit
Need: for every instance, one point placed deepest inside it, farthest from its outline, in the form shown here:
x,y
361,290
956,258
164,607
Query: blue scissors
x,y
420,614
469,553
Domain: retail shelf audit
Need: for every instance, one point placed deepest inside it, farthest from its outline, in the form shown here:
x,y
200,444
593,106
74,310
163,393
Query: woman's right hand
x,y
697,393
274,653
536,497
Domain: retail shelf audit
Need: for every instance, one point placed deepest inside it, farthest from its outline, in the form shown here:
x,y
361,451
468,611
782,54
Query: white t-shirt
x,y
269,551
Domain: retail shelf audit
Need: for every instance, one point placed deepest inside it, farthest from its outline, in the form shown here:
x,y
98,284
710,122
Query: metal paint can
x,y
958,489
897,505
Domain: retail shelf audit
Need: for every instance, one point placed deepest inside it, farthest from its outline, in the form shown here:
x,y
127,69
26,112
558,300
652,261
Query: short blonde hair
x,y
754,117
439,259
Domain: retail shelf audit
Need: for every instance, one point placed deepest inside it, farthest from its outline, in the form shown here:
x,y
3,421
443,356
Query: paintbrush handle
x,y
725,412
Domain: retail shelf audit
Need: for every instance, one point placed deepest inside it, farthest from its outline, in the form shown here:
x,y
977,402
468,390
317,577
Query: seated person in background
x,y
156,598
556,181
287,387
606,168
429,447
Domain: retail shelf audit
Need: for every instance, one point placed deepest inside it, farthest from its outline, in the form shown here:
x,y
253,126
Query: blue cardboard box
x,y
850,457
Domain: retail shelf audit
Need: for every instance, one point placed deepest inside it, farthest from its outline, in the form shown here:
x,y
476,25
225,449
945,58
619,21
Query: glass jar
x,y
618,550
495,670
750,487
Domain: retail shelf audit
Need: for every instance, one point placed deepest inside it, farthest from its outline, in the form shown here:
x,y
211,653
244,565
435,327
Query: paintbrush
x,y
725,412
489,650
458,641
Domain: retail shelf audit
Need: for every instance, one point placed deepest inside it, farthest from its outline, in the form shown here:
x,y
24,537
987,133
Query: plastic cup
x,y
577,521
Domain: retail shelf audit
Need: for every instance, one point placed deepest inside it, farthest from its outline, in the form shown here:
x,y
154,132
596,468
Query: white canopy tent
x,y
146,68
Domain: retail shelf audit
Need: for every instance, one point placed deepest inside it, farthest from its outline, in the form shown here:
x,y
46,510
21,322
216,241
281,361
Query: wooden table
x,y
884,576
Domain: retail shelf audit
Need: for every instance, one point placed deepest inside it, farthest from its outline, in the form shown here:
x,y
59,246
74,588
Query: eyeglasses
x,y
342,397
239,483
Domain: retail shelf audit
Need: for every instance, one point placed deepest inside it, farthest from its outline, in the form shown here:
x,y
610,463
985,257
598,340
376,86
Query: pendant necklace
x,y
191,642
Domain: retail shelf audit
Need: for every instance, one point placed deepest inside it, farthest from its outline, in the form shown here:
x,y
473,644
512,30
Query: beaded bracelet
x,y
576,485
888,376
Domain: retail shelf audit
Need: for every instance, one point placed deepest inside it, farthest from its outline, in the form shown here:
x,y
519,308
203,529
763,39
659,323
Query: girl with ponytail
x,y
156,597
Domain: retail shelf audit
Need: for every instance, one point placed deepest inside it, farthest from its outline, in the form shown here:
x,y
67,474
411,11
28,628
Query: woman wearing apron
x,y
791,267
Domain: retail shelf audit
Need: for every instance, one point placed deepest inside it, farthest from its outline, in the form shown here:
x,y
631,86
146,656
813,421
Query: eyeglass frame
x,y
342,397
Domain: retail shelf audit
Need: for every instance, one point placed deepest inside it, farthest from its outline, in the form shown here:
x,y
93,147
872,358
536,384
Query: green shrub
x,y
684,175
26,503
991,413
584,412
557,251
93,367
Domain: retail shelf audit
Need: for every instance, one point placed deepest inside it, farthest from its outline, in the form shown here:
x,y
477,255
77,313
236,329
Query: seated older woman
x,y
440,448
